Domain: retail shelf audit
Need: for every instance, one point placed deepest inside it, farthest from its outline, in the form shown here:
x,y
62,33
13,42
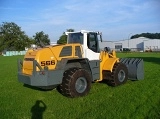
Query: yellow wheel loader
x,y
71,68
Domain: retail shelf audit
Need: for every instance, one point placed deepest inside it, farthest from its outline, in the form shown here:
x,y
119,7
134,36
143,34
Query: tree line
x,y
147,35
13,38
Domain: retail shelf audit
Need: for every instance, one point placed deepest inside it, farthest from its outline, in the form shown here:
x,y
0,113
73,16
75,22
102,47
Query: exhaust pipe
x,y
135,68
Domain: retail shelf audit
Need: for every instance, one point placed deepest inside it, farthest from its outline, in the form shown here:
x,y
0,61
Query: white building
x,y
153,44
53,43
136,44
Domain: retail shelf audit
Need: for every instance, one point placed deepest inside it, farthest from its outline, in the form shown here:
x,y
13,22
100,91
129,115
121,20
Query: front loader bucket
x,y
135,68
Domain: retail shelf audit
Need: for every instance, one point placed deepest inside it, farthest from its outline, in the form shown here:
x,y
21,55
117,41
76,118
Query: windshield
x,y
75,38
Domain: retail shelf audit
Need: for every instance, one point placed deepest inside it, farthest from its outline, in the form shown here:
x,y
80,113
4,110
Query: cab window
x,y
75,38
92,42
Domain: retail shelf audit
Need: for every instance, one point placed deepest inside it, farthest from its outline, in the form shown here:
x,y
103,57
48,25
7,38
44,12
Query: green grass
x,y
133,100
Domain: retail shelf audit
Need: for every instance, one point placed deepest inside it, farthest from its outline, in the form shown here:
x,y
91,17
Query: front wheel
x,y
76,83
118,76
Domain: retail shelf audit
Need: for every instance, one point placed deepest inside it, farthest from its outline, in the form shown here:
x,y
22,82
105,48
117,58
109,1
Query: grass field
x,y
133,100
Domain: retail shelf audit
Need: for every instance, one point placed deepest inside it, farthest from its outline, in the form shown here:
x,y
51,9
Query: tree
x,y
41,39
12,37
70,30
147,35
63,37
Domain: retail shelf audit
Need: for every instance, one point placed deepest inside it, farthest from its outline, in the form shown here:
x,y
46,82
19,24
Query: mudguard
x,y
109,63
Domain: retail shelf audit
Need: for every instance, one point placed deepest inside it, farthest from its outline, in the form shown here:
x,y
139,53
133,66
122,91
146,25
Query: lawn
x,y
133,100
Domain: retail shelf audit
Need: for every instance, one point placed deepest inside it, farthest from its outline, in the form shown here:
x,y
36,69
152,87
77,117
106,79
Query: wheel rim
x,y
81,85
121,76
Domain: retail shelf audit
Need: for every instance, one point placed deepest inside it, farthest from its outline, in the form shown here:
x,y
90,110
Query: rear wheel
x,y
118,76
76,82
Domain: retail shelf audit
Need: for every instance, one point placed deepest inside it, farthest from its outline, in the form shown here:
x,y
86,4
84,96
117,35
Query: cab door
x,y
92,51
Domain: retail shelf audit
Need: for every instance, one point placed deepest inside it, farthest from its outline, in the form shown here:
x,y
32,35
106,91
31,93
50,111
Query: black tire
x,y
76,83
118,76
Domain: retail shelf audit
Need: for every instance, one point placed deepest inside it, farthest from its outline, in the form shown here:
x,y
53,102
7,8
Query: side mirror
x,y
101,37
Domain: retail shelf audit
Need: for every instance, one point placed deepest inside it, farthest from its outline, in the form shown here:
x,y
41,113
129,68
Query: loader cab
x,y
89,41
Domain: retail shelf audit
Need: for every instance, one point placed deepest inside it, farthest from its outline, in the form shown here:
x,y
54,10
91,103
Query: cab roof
x,y
83,31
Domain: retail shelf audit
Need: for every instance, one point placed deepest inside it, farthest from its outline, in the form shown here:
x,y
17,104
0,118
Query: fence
x,y
12,53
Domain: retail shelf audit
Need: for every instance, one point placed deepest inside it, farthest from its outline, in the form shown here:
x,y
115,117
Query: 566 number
x,y
44,63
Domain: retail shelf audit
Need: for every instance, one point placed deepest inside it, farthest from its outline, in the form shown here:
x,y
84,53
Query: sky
x,y
116,19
